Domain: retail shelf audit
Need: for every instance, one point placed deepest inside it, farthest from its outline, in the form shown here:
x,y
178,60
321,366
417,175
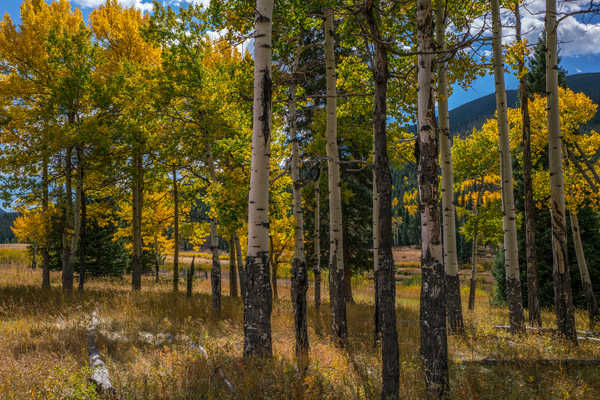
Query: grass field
x,y
43,347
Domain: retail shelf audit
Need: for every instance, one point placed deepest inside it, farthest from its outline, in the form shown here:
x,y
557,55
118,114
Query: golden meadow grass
x,y
43,347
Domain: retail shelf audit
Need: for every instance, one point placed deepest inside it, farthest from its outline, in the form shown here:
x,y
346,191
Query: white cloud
x,y
576,35
144,6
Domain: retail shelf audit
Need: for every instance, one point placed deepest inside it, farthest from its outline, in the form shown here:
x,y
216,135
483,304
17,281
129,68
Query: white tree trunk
x,y
454,305
434,342
509,222
336,246
563,300
257,301
215,271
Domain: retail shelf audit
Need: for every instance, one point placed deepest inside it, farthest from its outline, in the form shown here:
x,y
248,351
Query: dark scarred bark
x,y
473,286
233,290
434,342
299,281
385,276
347,272
533,297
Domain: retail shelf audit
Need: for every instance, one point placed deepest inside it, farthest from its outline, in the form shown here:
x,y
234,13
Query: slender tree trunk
x,y
434,342
215,272
34,255
45,210
563,299
258,302
233,291
175,232
509,222
347,271
376,327
241,269
190,279
474,262
317,245
137,204
156,260
533,297
274,267
385,276
67,272
82,219
76,237
453,300
299,271
336,245
584,273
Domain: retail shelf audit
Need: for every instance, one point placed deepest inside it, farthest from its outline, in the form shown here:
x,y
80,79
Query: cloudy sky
x,y
579,37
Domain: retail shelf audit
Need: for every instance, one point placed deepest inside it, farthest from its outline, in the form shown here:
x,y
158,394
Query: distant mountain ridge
x,y
474,113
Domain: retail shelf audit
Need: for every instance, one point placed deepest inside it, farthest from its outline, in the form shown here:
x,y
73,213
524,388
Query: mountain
x,y
474,113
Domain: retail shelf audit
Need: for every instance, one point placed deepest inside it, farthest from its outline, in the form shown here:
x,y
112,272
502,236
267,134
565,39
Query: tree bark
x,y
453,300
175,232
533,297
241,269
274,268
584,273
376,327
45,210
257,301
347,272
317,244
190,279
473,272
563,299
137,204
34,251
233,290
434,342
76,237
67,272
509,222
82,219
385,276
156,260
215,271
299,270
336,245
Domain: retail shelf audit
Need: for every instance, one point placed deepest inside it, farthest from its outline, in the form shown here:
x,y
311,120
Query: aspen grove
x,y
247,199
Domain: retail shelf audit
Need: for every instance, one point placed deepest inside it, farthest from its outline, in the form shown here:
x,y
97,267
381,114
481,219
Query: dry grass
x,y
43,347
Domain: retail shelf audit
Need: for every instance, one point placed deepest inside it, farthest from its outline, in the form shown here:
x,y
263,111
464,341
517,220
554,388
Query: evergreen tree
x,y
536,74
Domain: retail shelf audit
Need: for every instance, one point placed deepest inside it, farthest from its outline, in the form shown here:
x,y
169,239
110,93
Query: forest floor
x,y
145,341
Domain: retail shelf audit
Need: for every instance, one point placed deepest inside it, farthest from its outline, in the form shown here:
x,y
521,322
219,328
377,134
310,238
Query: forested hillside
x,y
474,113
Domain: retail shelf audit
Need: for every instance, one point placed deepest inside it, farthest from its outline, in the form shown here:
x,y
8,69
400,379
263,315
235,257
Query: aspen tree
x,y
257,299
511,255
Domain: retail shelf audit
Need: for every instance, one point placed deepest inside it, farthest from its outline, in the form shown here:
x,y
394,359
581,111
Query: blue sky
x,y
579,37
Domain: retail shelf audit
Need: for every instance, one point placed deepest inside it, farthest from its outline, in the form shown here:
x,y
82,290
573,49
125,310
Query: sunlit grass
x,y
43,346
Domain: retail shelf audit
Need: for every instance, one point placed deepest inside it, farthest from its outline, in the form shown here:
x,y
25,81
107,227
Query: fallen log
x,y
100,376
562,362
